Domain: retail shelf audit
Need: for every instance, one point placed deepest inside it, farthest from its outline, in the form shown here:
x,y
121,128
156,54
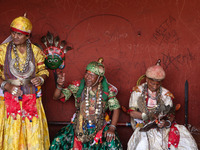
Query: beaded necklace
x,y
143,106
24,68
99,116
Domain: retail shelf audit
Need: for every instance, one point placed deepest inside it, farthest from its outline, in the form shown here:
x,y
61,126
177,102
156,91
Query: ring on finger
x,y
14,92
109,135
15,89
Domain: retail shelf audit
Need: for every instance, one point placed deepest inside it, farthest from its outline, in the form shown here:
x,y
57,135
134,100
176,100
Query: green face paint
x,y
53,62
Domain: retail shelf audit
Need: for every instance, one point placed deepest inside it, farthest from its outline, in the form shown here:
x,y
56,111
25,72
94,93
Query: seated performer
x,y
93,96
152,112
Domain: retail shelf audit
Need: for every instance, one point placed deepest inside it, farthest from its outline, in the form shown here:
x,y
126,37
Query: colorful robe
x,y
23,123
66,139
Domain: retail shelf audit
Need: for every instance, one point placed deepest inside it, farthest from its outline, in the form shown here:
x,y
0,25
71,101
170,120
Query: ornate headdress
x,y
156,72
55,51
96,67
22,25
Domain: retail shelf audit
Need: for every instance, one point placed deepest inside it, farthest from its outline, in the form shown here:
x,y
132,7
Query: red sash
x,y
13,108
174,136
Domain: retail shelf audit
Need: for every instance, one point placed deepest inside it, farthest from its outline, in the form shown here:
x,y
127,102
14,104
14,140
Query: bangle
x,y
59,87
111,125
144,116
42,80
169,124
3,85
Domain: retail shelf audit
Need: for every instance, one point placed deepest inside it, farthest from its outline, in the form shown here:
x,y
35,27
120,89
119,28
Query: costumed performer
x,y
23,123
152,116
93,96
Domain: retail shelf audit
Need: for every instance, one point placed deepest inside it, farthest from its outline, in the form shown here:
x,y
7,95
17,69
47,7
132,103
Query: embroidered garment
x,y
23,123
93,134
175,138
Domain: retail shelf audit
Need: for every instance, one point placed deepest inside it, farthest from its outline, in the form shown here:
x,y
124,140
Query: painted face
x,y
90,79
18,38
153,85
53,62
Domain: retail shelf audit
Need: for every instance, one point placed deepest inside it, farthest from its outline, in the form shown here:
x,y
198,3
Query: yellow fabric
x,y
38,54
18,134
22,23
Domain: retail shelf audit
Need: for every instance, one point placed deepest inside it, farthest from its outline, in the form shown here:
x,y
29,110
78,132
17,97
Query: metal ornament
x,y
98,120
21,75
28,68
17,57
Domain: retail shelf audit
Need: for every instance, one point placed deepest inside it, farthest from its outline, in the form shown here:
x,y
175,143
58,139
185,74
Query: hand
x,y
161,124
110,134
61,79
16,91
36,81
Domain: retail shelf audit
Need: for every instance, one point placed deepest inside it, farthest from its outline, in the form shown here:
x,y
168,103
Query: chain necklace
x,y
17,67
158,99
98,103
154,98
84,136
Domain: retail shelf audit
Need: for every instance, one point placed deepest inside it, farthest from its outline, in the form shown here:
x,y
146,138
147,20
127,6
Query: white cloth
x,y
165,96
8,39
157,139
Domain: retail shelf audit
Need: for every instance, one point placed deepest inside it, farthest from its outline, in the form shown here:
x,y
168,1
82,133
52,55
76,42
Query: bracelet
x,y
169,124
111,125
3,85
59,87
144,116
42,80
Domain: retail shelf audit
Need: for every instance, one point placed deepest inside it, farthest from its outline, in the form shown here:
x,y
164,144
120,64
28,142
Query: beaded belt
x,y
18,82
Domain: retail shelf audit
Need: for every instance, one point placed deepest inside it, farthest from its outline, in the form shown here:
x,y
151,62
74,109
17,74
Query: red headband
x,y
17,30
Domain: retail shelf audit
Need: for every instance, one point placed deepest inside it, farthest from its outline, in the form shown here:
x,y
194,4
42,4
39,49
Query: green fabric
x,y
65,139
81,87
72,89
113,104
104,85
96,67
105,88
111,100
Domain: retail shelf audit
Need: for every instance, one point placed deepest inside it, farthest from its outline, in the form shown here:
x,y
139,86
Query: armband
x,y
42,80
144,116
59,87
111,125
3,85
169,124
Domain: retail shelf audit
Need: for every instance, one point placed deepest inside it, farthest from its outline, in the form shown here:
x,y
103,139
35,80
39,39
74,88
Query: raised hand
x,y
61,78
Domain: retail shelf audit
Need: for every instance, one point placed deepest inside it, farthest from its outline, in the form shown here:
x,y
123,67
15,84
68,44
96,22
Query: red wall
x,y
129,34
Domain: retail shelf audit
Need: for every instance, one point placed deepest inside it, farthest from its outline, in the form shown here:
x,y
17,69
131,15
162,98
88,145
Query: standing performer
x,y
152,113
93,96
23,123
